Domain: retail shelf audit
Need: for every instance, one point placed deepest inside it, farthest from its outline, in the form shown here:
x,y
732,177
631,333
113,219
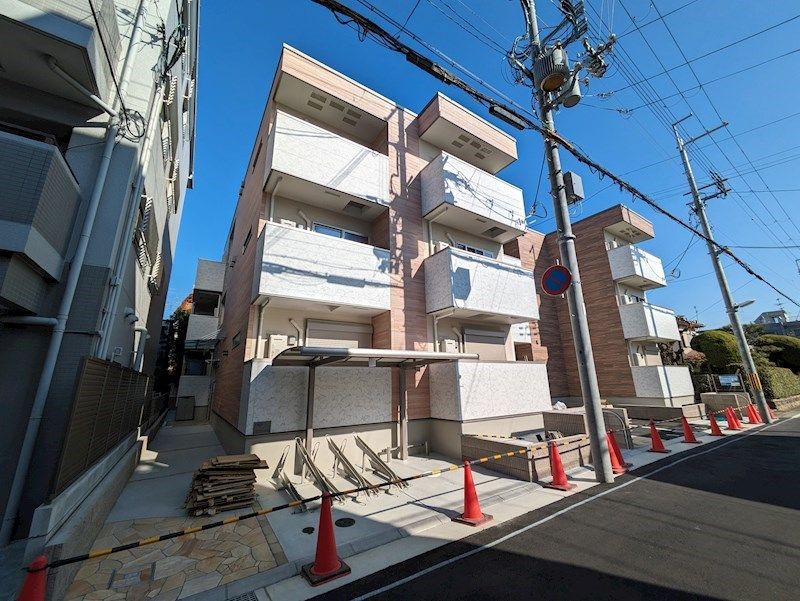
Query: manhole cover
x,y
308,530
345,522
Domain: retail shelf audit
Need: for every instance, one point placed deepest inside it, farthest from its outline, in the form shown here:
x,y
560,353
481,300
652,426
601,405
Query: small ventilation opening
x,y
475,144
320,97
480,156
354,208
463,138
336,105
457,144
314,105
354,114
493,232
349,121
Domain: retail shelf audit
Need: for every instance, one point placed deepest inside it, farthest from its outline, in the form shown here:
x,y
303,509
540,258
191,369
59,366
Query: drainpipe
x,y
30,320
450,239
259,338
139,357
436,319
299,331
53,64
304,218
272,198
460,338
441,212
46,376
122,258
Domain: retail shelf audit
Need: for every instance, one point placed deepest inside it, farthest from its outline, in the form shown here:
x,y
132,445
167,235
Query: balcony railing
x,y
643,321
327,169
464,197
465,390
632,266
476,286
298,265
663,382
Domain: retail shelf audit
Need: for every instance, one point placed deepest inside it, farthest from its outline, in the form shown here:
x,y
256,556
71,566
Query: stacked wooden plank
x,y
222,483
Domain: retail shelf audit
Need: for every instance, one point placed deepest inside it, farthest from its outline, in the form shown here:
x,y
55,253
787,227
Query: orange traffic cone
x,y
688,433
656,446
33,588
752,415
715,431
757,414
326,565
559,481
735,416
731,419
472,516
618,465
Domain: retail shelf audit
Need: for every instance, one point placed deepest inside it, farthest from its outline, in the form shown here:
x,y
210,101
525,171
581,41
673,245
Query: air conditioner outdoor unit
x,y
276,344
448,345
626,299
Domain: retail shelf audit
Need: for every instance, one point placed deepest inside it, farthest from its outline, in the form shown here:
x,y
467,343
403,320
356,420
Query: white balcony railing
x,y
643,321
465,390
477,202
662,381
302,150
632,266
301,265
471,285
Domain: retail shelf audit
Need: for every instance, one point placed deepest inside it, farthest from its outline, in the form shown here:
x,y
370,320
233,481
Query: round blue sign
x,y
556,279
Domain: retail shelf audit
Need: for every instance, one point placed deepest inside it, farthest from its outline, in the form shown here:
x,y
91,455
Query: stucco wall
x,y
630,260
643,320
201,327
344,396
464,280
209,275
306,265
196,386
480,389
320,156
448,179
662,381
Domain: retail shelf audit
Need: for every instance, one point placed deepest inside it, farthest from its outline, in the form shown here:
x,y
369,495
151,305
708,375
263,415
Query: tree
x,y
752,332
719,348
784,351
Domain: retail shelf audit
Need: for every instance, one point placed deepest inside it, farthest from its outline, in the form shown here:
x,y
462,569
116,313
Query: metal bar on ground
x,y
323,482
379,466
349,468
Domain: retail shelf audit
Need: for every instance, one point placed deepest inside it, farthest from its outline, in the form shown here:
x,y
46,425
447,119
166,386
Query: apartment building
x,y
97,115
196,378
625,327
364,226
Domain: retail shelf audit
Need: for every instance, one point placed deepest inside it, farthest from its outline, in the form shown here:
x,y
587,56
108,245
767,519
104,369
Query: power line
x,y
470,29
522,122
408,18
674,10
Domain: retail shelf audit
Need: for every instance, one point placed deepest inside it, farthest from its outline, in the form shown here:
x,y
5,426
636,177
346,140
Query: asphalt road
x,y
723,524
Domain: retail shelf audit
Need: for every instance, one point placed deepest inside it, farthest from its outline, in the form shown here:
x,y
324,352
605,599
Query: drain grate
x,y
308,530
251,596
345,522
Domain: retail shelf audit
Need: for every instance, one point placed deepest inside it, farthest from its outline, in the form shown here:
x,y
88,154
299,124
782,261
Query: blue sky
x,y
240,43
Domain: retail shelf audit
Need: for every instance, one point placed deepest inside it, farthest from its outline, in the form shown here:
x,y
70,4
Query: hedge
x,y
719,348
788,353
779,382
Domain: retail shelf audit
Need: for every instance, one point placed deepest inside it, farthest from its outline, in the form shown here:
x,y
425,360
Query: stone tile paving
x,y
176,568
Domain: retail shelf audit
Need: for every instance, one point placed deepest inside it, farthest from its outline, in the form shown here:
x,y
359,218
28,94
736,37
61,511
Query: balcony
x,y
301,268
643,321
448,125
325,169
465,390
201,332
632,266
466,198
664,382
40,198
67,32
477,287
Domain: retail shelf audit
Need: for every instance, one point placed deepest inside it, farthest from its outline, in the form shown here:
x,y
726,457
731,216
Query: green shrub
x,y
719,348
783,350
779,382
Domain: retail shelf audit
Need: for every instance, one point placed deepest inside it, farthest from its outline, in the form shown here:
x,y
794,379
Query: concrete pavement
x,y
719,522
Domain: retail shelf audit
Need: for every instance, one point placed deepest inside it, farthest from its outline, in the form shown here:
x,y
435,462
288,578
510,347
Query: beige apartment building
x,y
362,225
626,328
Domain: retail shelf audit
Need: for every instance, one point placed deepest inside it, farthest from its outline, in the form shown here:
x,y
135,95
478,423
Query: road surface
x,y
719,522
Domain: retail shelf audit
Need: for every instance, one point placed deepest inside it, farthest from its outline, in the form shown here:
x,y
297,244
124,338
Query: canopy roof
x,y
313,356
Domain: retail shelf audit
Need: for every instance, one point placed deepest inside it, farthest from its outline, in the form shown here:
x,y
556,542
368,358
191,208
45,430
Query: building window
x,y
236,340
337,232
473,250
247,239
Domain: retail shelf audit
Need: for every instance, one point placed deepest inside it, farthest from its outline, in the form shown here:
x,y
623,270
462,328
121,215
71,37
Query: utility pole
x,y
699,207
577,309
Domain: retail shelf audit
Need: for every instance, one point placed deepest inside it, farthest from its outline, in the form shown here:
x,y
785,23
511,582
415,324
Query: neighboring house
x,y
196,378
365,226
52,139
778,322
626,329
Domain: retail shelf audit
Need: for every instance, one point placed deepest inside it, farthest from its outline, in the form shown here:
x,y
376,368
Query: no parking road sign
x,y
555,280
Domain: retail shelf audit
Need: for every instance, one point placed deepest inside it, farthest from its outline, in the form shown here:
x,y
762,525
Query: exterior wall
x,y
210,275
643,320
201,327
79,129
197,386
630,261
468,390
657,383
463,280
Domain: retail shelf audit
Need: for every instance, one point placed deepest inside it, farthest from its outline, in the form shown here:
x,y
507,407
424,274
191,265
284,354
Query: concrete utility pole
x,y
577,309
699,207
